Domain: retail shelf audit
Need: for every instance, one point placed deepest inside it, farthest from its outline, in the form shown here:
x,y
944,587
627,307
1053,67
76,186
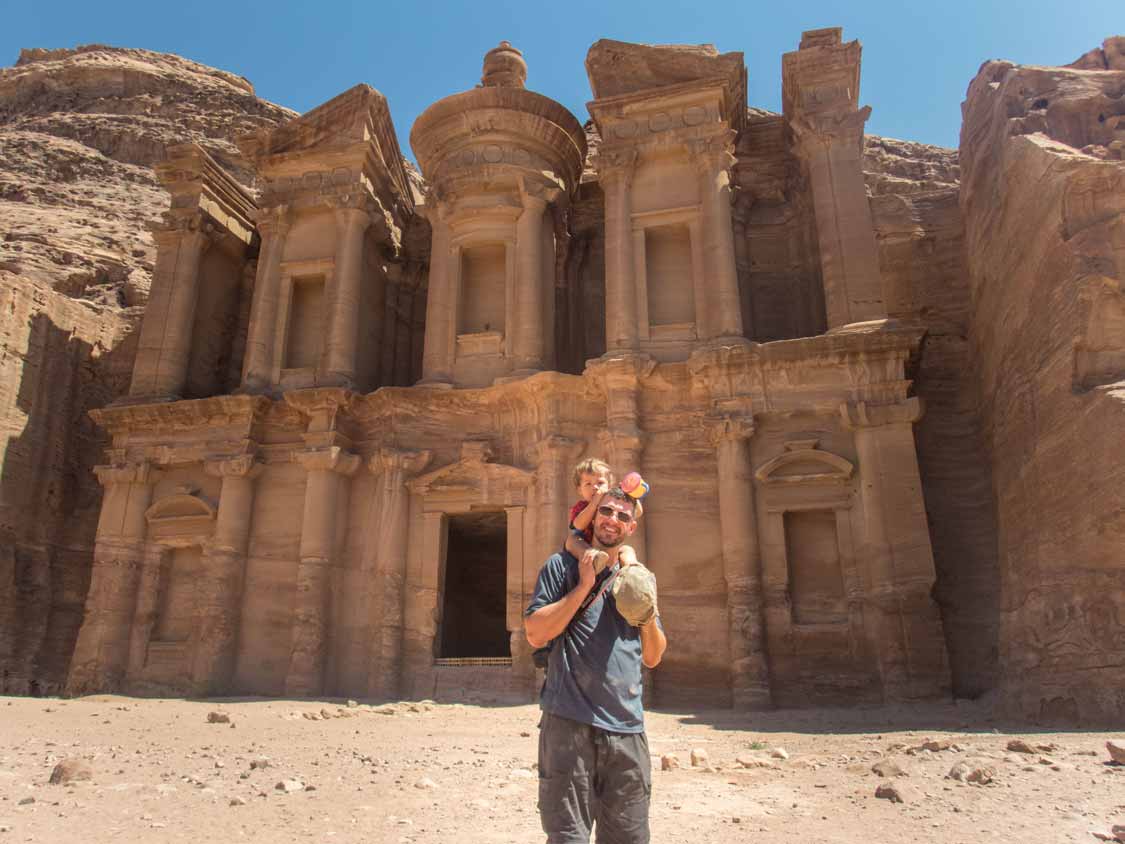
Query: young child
x,y
592,479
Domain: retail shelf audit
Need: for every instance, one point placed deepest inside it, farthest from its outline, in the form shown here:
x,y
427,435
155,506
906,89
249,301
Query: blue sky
x,y
918,57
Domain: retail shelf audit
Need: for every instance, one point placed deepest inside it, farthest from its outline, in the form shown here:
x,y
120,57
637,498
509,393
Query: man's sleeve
x,y
550,586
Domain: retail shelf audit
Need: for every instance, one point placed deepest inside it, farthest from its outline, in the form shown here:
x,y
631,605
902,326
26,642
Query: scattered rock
x,y
352,704
425,784
218,718
890,791
698,757
259,763
27,801
1116,751
938,745
71,770
888,768
1021,746
237,801
669,762
779,753
290,786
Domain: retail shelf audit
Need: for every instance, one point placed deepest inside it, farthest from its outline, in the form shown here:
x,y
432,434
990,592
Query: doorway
x,y
473,603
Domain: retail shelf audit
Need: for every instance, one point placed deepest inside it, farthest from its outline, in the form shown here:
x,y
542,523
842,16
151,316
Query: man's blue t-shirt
x,y
594,672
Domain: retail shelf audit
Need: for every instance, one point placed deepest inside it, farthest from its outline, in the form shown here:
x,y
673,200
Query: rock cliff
x,y
79,131
1043,208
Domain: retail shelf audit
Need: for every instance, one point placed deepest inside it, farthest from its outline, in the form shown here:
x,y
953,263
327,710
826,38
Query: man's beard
x,y
608,546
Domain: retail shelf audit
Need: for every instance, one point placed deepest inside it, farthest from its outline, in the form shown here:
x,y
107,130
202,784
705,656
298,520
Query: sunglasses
x,y
620,515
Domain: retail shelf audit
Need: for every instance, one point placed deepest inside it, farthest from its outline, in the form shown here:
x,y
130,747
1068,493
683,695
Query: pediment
x,y
804,463
181,514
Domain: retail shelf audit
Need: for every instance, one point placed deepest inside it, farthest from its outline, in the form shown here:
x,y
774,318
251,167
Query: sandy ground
x,y
452,773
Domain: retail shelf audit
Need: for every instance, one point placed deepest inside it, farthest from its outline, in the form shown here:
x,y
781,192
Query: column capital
x,y
240,466
405,461
730,428
138,472
711,153
536,197
830,127
350,215
860,415
275,220
331,459
613,164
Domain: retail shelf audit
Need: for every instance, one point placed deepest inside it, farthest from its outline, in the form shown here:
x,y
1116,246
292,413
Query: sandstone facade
x,y
342,436
285,513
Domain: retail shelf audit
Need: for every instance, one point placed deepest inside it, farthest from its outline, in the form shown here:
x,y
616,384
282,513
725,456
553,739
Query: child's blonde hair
x,y
592,466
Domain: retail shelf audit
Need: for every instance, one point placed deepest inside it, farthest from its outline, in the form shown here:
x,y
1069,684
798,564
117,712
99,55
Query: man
x,y
593,754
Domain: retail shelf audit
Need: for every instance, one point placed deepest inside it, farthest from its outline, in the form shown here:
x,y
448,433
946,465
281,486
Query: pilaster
x,y
257,369
907,635
441,302
395,467
742,565
326,467
219,595
101,654
720,305
344,308
615,173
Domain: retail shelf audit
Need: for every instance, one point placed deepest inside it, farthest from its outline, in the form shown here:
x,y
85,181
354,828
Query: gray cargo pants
x,y
587,776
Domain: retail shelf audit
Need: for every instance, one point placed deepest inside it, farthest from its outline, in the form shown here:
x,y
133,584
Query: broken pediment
x,y
352,131
616,68
803,463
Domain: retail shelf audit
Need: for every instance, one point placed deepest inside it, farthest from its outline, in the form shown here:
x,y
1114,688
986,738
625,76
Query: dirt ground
x,y
422,772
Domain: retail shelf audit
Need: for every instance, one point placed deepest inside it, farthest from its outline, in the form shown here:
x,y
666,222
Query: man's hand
x,y
586,573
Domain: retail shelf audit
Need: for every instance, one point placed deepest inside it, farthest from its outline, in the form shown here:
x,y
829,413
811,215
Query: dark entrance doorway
x,y
476,561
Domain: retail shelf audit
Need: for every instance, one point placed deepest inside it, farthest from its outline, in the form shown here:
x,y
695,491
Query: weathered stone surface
x,y
1116,751
1042,207
71,770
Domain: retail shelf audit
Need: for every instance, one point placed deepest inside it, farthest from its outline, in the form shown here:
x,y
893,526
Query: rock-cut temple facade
x,y
359,394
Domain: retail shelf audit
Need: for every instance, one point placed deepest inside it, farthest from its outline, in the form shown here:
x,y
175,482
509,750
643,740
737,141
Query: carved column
x,y
101,654
396,467
343,310
742,565
530,332
257,370
165,342
713,159
621,378
615,172
219,591
326,469
820,96
156,558
441,305
907,634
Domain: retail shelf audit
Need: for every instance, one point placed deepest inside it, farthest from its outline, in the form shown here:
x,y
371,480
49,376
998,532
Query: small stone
x,y
218,718
71,770
290,786
981,776
425,784
259,763
352,704
1116,750
937,745
1021,746
525,734
27,801
779,753
698,757
669,762
237,801
889,791
888,768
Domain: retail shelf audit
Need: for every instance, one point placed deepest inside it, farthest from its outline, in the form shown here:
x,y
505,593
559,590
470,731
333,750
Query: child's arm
x,y
585,516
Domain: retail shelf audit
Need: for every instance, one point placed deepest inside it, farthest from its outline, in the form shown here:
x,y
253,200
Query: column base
x,y
435,383
516,375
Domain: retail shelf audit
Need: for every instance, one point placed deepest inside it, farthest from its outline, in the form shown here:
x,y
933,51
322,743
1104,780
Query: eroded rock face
x,y
1043,205
914,206
79,130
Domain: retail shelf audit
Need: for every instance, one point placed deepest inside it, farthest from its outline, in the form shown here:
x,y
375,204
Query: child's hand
x,y
627,556
595,558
